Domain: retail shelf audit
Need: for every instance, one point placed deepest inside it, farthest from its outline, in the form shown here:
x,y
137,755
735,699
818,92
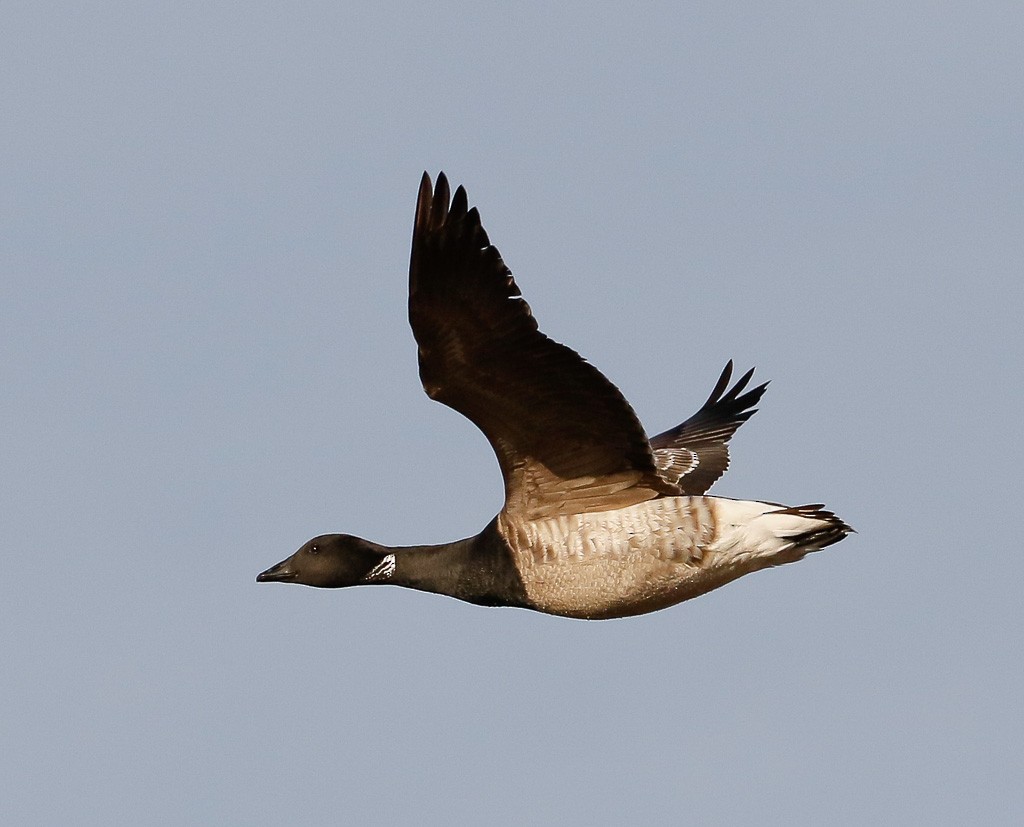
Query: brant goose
x,y
598,521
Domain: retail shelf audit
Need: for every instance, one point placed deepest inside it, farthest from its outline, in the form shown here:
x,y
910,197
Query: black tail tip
x,y
833,530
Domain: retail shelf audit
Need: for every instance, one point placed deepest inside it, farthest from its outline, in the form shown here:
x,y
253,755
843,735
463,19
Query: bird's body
x,y
598,521
650,555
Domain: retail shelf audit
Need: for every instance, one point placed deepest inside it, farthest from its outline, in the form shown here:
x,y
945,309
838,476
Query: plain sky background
x,y
206,212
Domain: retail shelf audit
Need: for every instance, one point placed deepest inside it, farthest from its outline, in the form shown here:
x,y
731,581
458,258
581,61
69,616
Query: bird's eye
x,y
314,549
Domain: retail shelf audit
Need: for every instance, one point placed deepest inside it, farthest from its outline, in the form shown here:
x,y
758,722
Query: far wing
x,y
696,453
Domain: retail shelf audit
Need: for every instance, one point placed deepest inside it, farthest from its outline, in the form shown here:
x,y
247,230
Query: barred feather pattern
x,y
657,553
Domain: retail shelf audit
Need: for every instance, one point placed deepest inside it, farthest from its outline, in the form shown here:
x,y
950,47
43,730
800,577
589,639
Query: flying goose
x,y
598,521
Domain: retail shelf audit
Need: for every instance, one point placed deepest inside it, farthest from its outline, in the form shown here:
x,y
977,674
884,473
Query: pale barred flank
x,y
672,528
657,553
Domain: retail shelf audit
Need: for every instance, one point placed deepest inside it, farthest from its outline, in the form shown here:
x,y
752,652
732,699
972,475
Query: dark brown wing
x,y
695,454
566,439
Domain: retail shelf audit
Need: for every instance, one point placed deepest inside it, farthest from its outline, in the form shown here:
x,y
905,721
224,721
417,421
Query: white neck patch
x,y
384,569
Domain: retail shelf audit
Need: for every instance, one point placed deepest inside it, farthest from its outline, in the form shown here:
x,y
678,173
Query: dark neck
x,y
478,569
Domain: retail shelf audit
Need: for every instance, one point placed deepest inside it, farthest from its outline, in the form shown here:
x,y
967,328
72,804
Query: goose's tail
x,y
768,534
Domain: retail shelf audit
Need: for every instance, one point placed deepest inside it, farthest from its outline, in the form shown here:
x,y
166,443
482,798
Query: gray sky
x,y
206,217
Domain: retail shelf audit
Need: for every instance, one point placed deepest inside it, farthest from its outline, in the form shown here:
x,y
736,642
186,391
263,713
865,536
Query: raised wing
x,y
696,453
566,439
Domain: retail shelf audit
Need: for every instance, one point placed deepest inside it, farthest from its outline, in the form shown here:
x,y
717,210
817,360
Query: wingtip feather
x,y
442,198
